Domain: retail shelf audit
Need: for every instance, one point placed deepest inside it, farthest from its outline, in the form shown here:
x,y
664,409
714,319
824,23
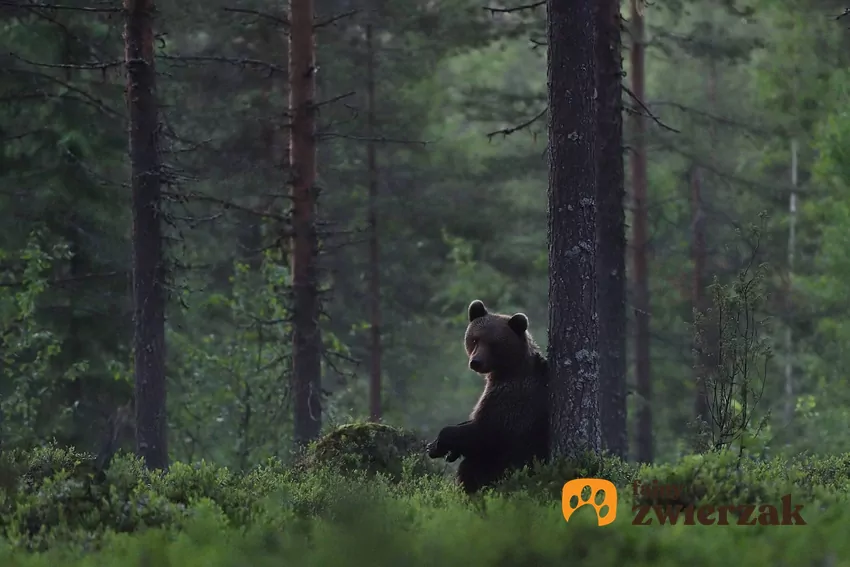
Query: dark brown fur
x,y
509,426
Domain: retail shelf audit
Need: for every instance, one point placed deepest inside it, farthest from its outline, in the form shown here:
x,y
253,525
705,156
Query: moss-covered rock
x,y
371,448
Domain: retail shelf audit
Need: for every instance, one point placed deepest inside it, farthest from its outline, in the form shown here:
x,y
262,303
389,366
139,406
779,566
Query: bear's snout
x,y
476,364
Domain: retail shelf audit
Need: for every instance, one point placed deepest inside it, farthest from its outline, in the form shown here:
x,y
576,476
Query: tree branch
x,y
276,19
648,112
30,5
531,6
328,135
518,127
70,279
74,66
329,21
194,196
239,62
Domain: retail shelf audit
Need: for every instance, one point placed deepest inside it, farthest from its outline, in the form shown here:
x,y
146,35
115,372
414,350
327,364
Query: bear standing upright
x,y
509,426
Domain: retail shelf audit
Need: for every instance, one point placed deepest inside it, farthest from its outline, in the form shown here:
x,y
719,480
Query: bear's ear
x,y
476,310
518,323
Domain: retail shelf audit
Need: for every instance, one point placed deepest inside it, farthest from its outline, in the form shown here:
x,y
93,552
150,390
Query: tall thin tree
x,y
699,304
306,343
640,245
573,325
148,261
706,343
611,231
789,303
374,242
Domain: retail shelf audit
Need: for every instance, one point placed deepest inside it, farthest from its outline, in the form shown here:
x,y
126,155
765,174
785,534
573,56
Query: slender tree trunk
x,y
148,262
789,302
249,236
707,346
72,349
249,230
611,232
306,344
374,249
573,325
702,363
640,245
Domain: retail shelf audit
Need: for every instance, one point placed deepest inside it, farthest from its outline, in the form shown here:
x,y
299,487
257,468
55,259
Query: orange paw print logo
x,y
602,495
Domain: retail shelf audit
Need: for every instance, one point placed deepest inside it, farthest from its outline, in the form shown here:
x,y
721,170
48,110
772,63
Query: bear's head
x,y
496,342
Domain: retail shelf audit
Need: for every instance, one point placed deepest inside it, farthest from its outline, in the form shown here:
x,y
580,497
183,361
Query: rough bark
x,y
148,261
374,242
573,332
306,343
611,232
640,244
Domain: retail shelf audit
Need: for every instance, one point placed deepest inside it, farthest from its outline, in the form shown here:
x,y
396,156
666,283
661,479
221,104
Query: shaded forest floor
x,y
372,499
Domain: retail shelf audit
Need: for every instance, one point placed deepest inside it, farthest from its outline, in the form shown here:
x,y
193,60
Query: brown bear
x,y
509,426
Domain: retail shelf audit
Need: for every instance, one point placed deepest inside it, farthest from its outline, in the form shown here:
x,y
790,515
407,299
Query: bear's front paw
x,y
437,450
443,446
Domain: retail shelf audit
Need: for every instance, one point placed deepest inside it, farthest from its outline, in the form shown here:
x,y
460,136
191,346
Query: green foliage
x,y
460,214
56,510
29,409
821,415
723,477
546,481
227,386
734,334
53,493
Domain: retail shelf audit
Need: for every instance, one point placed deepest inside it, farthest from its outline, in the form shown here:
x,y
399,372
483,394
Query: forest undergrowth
x,y
366,495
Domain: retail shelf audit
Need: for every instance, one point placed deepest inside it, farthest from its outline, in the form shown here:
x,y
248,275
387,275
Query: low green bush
x,y
724,478
55,494
546,481
58,494
831,472
721,477
56,508
382,530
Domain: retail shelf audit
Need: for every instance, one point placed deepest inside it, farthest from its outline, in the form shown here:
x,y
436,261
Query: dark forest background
x,y
431,174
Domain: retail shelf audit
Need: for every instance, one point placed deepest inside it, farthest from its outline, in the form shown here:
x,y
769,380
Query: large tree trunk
x,y
374,249
611,232
148,262
640,245
573,333
306,344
